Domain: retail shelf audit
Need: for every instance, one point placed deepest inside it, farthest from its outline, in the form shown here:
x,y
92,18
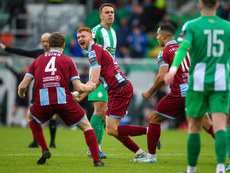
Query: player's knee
x,y
111,131
101,112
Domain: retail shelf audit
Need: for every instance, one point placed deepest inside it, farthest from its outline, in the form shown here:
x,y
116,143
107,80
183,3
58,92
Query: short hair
x,y
106,5
209,4
84,29
168,28
56,39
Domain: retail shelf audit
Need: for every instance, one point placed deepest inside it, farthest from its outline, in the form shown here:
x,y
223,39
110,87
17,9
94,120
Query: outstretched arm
x,y
159,82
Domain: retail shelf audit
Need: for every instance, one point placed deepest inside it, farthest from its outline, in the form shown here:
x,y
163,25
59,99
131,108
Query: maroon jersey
x,y
180,83
52,72
111,74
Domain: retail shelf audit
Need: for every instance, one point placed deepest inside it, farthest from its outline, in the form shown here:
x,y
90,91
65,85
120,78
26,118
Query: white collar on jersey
x,y
90,46
55,51
171,42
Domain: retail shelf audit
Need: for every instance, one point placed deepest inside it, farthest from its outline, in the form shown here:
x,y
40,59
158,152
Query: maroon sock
x,y
38,134
153,136
210,131
128,142
127,130
91,141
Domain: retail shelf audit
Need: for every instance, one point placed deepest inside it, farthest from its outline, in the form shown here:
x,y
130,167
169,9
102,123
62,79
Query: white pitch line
x,y
176,154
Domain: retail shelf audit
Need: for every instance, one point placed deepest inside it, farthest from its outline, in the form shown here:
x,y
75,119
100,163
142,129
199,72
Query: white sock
x,y
151,156
191,169
147,130
99,147
140,151
220,167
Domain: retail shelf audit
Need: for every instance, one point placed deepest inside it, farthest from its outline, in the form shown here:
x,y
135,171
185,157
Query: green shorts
x,y
198,103
99,94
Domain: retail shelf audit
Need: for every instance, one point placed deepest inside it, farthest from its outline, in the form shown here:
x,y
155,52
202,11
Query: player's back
x,y
179,85
209,37
111,74
52,72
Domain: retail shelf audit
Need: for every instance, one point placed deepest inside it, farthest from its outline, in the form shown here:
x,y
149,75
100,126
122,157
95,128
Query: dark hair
x,y
106,5
210,4
56,39
168,28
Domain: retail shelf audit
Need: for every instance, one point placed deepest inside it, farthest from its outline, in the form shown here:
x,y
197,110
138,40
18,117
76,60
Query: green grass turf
x,y
70,154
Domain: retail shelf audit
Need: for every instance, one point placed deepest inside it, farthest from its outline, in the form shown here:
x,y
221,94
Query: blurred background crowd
x,y
22,22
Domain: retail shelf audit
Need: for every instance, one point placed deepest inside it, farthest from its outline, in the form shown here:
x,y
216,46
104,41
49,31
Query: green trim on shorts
x,y
99,94
198,103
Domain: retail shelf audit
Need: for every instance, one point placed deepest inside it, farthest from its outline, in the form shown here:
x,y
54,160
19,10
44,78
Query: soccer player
x,y
104,35
52,72
105,69
208,39
173,103
34,54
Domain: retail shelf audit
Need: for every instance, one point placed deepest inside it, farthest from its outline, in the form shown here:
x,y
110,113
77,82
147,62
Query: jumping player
x,y
52,72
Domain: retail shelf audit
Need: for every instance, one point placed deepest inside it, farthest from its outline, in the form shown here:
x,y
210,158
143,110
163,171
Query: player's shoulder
x,y
96,28
190,23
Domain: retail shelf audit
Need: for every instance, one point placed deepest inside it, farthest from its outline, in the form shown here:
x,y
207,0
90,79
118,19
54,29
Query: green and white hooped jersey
x,y
106,38
209,37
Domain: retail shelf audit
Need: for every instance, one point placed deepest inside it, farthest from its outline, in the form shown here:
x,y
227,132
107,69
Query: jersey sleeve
x,y
31,70
188,34
73,70
94,59
162,60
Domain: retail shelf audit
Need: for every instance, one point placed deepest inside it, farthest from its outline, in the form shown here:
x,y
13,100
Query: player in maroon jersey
x,y
52,72
105,69
173,103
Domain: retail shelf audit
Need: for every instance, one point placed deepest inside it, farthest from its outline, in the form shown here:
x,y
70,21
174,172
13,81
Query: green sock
x,y
101,132
221,146
193,148
228,140
95,122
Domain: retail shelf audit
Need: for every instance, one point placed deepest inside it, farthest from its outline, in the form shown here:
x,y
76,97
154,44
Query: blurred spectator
x,y
124,31
19,102
138,42
123,52
74,48
16,8
136,16
224,10
167,19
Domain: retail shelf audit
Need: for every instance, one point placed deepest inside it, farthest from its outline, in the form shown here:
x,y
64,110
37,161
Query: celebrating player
x,y
172,104
104,35
208,39
105,69
52,72
34,54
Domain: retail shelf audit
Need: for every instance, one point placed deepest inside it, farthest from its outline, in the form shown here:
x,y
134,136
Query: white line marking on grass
x,y
170,154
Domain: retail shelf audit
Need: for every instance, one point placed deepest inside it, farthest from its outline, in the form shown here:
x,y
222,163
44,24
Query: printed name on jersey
x,y
92,58
51,78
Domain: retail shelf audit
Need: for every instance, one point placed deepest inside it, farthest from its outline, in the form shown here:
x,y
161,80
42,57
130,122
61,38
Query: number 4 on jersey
x,y
50,67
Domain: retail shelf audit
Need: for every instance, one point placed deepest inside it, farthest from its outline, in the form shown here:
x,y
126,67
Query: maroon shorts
x,y
71,113
119,100
170,106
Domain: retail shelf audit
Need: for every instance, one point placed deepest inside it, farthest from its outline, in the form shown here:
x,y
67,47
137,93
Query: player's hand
x,y
92,86
21,95
169,77
2,46
81,97
146,94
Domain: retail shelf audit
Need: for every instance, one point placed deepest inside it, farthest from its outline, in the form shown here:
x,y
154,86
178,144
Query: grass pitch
x,y
70,154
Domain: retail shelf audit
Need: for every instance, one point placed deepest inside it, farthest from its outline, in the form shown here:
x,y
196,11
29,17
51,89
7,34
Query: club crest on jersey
x,y
57,78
